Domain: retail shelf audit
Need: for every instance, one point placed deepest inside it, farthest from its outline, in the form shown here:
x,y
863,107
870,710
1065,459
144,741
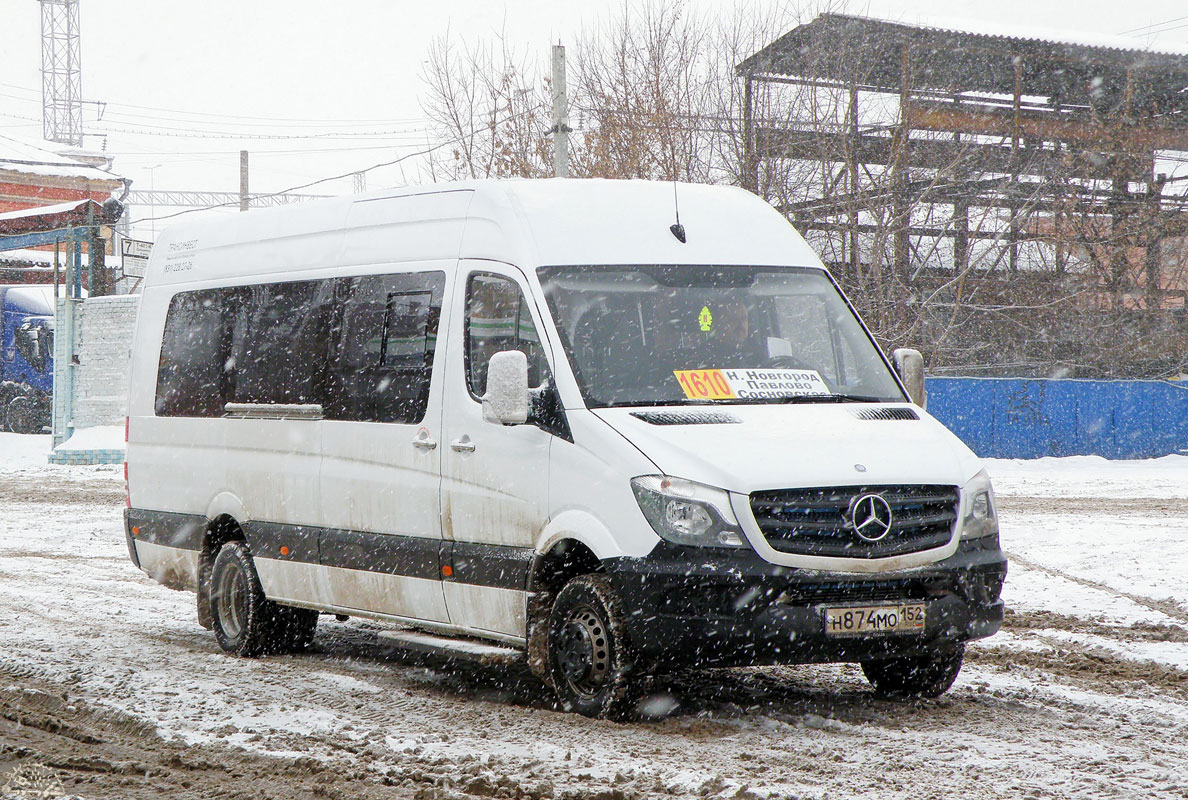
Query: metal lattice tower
x,y
61,72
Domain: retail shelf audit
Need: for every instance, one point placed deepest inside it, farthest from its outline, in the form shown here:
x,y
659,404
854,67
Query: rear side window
x,y
381,366
191,375
281,342
362,348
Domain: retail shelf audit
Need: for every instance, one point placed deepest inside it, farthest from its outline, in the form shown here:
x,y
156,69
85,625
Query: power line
x,y
255,153
293,189
114,106
175,133
1150,28
189,133
267,124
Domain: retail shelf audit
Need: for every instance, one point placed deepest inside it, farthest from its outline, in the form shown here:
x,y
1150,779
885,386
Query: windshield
x,y
665,335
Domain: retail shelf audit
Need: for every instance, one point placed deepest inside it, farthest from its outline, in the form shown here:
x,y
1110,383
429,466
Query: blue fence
x,y
1015,418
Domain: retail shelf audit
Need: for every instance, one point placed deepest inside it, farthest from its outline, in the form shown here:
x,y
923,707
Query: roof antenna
x,y
678,230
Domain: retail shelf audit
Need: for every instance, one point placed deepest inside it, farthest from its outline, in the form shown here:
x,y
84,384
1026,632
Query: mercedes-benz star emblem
x,y
871,517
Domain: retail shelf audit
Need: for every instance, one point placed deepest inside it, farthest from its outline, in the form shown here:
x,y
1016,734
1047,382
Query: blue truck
x,y
26,357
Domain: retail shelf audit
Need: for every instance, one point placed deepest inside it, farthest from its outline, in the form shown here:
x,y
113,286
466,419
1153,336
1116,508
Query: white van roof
x,y
530,223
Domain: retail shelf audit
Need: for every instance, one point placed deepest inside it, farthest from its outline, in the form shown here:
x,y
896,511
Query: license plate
x,y
857,620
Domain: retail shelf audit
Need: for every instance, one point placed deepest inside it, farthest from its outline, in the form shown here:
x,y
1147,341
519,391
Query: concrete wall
x,y
103,342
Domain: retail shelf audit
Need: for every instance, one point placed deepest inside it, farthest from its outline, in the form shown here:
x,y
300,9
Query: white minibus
x,y
606,427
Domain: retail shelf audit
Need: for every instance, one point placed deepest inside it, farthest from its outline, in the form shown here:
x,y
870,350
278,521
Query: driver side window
x,y
498,318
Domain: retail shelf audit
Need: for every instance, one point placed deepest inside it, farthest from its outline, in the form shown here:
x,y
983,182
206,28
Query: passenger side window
x,y
498,318
381,367
191,374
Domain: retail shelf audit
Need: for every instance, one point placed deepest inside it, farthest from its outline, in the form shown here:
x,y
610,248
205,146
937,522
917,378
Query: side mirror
x,y
909,364
506,400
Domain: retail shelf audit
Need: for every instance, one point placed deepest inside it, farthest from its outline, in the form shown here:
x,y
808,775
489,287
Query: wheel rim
x,y
231,601
584,652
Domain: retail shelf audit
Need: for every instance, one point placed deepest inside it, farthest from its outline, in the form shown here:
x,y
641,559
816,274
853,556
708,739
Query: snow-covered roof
x,y
954,55
31,298
46,159
530,223
1019,30
37,211
967,55
34,258
61,215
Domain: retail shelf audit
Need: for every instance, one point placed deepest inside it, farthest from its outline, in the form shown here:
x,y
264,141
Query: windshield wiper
x,y
751,401
809,398
847,398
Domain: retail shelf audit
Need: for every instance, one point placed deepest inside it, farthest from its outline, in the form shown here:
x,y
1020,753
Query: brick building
x,y
36,174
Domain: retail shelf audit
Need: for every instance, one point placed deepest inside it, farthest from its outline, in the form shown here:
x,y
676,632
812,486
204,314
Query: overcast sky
x,y
168,68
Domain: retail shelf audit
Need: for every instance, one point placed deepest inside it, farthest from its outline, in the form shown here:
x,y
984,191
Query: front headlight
x,y
684,512
979,517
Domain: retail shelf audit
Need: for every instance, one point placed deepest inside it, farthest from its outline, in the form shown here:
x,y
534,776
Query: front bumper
x,y
695,606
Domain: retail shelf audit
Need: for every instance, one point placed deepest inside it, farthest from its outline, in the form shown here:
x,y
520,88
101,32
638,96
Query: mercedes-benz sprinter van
x,y
546,415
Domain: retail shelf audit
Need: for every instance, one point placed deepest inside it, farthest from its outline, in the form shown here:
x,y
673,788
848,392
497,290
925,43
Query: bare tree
x,y
1002,269
642,95
490,109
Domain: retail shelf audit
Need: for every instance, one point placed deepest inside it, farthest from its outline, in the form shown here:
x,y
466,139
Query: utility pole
x,y
560,129
243,180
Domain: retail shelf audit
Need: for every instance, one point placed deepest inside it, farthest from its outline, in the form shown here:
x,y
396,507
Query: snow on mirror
x,y
506,400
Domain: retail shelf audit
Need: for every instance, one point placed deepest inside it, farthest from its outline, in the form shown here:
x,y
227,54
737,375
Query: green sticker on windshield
x,y
705,319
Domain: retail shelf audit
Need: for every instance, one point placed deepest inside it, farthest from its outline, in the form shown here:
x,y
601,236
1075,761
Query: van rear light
x,y
127,491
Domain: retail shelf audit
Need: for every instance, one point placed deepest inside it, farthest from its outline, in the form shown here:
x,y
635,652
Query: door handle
x,y
423,440
463,445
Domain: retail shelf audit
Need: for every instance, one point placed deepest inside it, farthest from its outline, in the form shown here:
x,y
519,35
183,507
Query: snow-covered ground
x,y
1083,695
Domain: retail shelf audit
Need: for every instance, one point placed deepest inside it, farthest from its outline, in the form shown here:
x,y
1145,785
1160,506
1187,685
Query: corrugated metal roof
x,y
962,56
1021,32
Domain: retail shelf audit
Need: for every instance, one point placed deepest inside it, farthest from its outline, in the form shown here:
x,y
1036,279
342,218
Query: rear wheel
x,y
591,662
296,630
245,622
915,676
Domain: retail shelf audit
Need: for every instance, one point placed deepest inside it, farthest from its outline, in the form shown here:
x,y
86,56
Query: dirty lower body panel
x,y
687,607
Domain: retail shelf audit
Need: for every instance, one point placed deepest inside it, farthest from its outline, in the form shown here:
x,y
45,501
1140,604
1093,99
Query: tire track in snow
x,y
1169,607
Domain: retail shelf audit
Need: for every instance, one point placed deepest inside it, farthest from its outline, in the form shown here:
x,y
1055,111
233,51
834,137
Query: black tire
x,y
915,676
245,622
591,662
296,630
8,390
23,415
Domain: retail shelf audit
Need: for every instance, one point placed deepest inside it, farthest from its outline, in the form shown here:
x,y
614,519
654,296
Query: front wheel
x,y
915,676
591,661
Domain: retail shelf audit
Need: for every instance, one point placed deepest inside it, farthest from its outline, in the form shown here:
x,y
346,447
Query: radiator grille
x,y
817,522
